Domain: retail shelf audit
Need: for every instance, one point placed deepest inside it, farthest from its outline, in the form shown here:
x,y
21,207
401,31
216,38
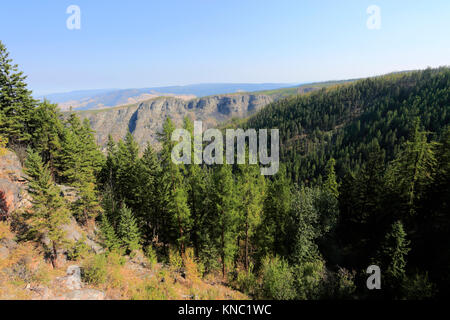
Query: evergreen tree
x,y
251,189
196,189
273,231
224,216
175,196
128,230
47,130
150,184
49,211
108,234
392,255
412,171
331,184
16,102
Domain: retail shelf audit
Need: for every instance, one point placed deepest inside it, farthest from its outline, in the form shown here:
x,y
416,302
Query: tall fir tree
x,y
128,230
16,102
49,211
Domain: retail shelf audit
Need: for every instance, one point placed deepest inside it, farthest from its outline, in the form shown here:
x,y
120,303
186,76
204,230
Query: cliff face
x,y
145,119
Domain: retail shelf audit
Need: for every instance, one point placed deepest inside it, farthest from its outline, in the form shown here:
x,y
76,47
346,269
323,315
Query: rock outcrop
x,y
13,195
145,119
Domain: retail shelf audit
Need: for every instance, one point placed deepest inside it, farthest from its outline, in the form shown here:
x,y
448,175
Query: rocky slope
x,y
145,119
26,273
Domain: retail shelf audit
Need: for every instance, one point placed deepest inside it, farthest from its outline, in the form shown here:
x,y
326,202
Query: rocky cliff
x,y
145,119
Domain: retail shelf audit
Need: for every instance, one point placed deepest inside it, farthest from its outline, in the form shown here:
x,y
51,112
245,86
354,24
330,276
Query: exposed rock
x,y
40,292
145,119
13,195
72,280
8,243
83,294
4,253
74,233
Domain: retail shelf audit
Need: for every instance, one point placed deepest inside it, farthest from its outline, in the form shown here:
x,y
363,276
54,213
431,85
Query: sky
x,y
150,43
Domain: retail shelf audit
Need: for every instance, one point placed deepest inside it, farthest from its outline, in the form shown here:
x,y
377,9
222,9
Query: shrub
x,y
309,279
247,282
175,260
418,287
150,253
78,250
277,280
94,269
3,143
191,266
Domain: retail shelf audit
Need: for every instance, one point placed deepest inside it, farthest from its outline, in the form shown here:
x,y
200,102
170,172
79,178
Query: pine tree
x,y
128,230
87,207
330,183
47,130
176,197
108,234
16,102
392,255
272,234
150,185
412,170
223,216
49,211
251,190
196,188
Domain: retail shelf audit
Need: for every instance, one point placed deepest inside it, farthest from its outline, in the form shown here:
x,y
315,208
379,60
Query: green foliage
x,y
95,270
3,143
309,277
150,253
277,280
331,184
78,250
393,253
247,281
49,211
108,235
16,102
175,259
418,287
343,121
273,232
128,230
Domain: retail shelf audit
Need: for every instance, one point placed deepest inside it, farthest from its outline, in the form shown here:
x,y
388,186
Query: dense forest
x,y
364,179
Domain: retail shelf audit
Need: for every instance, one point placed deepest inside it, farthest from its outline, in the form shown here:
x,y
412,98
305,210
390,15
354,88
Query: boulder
x,y
40,292
83,294
72,280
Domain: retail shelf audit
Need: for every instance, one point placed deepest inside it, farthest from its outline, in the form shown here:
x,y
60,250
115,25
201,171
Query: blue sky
x,y
137,43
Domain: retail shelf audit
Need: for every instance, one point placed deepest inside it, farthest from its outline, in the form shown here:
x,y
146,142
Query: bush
x,y
309,279
94,269
3,143
247,281
150,253
175,260
277,280
340,285
78,250
418,287
190,265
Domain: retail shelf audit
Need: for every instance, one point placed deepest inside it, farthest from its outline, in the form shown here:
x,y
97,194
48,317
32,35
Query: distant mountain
x,y
145,118
106,98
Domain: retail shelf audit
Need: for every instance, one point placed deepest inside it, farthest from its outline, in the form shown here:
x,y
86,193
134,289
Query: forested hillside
x,y
364,179
345,121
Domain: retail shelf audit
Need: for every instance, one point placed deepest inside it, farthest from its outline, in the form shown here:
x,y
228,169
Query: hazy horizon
x,y
146,44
